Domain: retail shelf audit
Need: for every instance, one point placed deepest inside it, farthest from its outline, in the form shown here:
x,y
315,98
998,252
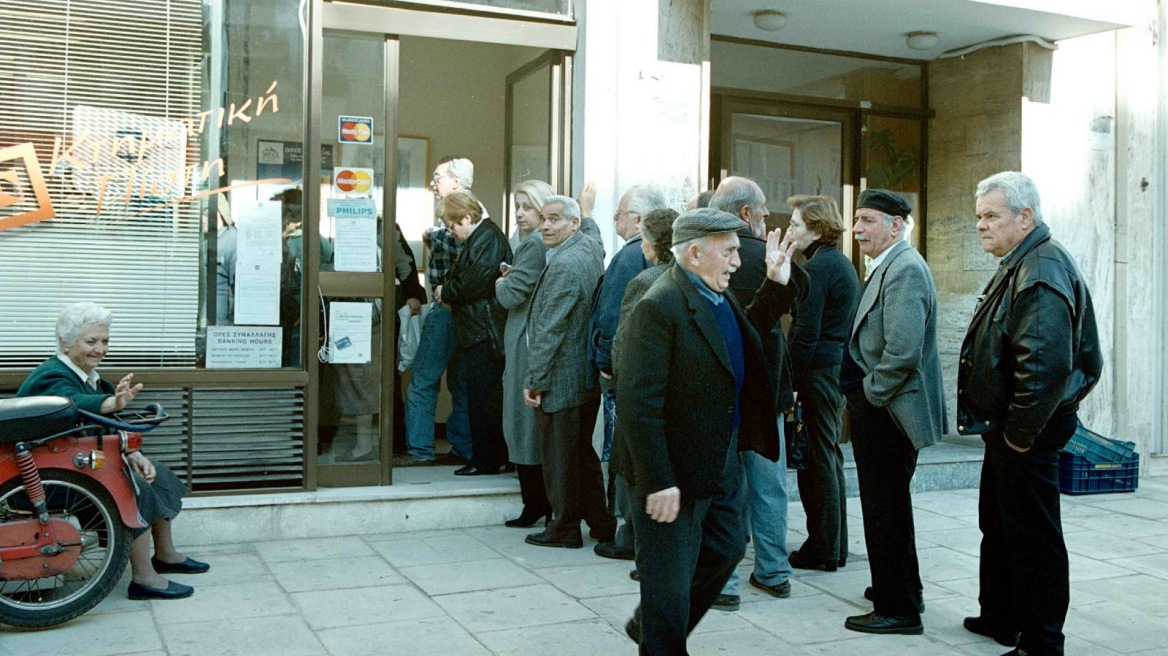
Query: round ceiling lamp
x,y
770,20
921,40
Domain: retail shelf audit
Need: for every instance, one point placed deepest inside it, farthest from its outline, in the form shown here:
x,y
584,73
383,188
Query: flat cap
x,y
702,222
884,201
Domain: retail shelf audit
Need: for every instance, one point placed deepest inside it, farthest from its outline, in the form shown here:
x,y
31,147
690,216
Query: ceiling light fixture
x,y
770,20
921,40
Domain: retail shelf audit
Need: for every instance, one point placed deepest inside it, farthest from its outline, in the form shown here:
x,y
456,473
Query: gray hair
x,y
735,193
463,169
571,207
74,318
644,199
1019,190
680,249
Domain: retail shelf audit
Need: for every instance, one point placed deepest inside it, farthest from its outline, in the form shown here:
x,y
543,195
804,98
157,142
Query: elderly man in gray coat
x,y
561,383
891,374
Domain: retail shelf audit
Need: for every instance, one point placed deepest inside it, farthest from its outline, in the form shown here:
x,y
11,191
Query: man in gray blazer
x,y
891,375
561,382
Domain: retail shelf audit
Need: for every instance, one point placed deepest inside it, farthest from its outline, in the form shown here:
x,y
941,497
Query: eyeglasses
x,y
620,212
438,176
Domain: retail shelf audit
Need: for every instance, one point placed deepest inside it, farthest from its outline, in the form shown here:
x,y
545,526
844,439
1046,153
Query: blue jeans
x,y
765,484
435,348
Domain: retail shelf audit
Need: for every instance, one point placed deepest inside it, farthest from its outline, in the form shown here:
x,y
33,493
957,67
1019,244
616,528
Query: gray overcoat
x,y
514,293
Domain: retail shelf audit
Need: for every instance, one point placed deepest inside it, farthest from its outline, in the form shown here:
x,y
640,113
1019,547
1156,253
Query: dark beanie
x,y
884,201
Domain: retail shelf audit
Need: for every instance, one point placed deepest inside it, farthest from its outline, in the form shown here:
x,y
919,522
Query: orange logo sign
x,y
357,181
17,207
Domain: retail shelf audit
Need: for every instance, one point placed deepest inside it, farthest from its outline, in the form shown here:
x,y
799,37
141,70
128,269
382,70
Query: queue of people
x,y
679,345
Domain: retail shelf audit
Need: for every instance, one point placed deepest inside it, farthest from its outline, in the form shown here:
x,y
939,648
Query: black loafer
x,y
780,590
800,561
919,598
471,470
188,566
633,630
980,626
634,575
610,550
542,539
884,624
172,591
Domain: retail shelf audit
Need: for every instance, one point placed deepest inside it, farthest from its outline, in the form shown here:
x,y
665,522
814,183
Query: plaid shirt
x,y
444,250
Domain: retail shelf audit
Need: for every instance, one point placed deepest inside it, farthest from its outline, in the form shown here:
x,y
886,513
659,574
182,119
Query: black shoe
x,y
527,519
542,539
634,575
1016,652
781,590
728,603
605,534
188,566
471,470
918,597
633,630
883,624
980,626
610,550
171,591
800,561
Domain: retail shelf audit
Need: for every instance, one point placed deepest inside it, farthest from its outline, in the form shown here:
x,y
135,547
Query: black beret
x,y
884,201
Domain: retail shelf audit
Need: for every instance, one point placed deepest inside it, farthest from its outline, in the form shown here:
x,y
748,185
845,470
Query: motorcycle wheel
x,y
105,550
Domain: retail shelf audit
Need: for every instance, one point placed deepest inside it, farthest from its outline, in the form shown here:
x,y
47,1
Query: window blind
x,y
100,89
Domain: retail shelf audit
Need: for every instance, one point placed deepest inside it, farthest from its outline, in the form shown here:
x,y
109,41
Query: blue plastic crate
x,y
1078,475
1097,448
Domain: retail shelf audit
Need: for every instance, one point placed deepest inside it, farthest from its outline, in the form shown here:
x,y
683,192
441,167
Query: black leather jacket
x,y
1032,349
470,288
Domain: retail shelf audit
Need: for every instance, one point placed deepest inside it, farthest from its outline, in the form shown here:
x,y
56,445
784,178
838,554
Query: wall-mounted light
x,y
921,40
770,20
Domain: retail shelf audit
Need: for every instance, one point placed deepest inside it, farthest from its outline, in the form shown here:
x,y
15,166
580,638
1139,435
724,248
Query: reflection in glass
x,y
350,392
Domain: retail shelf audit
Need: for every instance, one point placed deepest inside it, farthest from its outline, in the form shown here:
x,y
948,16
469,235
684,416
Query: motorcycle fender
x,y
113,475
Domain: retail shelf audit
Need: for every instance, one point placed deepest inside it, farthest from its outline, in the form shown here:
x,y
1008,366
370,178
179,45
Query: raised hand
x,y
587,199
779,252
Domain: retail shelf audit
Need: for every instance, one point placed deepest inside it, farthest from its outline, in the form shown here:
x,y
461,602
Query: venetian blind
x,y
99,89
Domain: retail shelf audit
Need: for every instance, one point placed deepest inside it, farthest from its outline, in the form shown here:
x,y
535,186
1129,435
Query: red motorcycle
x,y
67,506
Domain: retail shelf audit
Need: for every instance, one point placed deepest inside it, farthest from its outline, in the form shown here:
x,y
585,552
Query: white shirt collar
x,y
90,379
879,259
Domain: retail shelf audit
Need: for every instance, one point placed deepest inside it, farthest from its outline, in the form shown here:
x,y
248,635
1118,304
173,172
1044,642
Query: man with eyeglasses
x,y
437,342
638,201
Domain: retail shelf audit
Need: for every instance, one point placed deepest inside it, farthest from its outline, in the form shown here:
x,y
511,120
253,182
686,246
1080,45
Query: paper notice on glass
x,y
350,332
244,347
260,237
257,293
356,233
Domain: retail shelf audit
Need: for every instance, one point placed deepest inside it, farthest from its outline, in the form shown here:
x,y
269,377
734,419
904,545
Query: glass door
x,y
355,360
535,119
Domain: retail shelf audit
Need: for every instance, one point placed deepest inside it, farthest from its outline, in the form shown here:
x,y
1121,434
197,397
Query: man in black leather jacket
x,y
469,290
1029,357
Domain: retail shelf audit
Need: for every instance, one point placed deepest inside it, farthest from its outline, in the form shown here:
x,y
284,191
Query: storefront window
x,y
151,160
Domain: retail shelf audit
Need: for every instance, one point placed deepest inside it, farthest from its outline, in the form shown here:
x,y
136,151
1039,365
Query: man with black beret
x,y
891,375
694,392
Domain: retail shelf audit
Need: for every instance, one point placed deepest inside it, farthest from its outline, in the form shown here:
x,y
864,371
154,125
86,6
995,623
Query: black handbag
x,y
795,433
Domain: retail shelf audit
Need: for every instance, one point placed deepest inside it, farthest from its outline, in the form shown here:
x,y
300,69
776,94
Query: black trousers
x,y
571,472
885,463
1024,571
684,564
483,374
821,485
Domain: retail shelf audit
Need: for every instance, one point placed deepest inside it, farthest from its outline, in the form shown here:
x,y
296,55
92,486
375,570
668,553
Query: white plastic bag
x,y
411,335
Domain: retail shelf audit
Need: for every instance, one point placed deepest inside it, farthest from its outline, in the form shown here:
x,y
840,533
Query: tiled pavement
x,y
483,591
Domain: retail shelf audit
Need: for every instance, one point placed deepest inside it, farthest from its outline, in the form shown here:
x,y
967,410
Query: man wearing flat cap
x,y
891,375
694,392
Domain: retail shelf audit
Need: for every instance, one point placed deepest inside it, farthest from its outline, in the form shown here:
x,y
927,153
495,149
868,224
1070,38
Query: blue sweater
x,y
625,265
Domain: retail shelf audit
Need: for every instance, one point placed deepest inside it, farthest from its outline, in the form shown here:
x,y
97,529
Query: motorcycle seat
x,y
34,417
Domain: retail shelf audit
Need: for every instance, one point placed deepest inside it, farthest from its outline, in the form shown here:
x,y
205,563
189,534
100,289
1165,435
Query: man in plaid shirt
x,y
438,341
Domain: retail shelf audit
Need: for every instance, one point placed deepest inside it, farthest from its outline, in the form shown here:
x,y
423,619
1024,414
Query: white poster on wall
x,y
257,293
243,347
355,221
260,237
350,332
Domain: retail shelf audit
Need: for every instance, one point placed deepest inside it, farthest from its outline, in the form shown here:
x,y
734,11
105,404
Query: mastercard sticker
x,y
355,129
353,180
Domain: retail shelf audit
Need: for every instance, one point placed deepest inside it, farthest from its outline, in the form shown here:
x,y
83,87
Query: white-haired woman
x,y
82,343
514,291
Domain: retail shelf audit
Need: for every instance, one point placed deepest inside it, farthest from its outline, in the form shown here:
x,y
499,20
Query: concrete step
x,y
433,498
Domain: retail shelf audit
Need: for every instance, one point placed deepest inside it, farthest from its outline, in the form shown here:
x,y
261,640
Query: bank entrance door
x,y
393,91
